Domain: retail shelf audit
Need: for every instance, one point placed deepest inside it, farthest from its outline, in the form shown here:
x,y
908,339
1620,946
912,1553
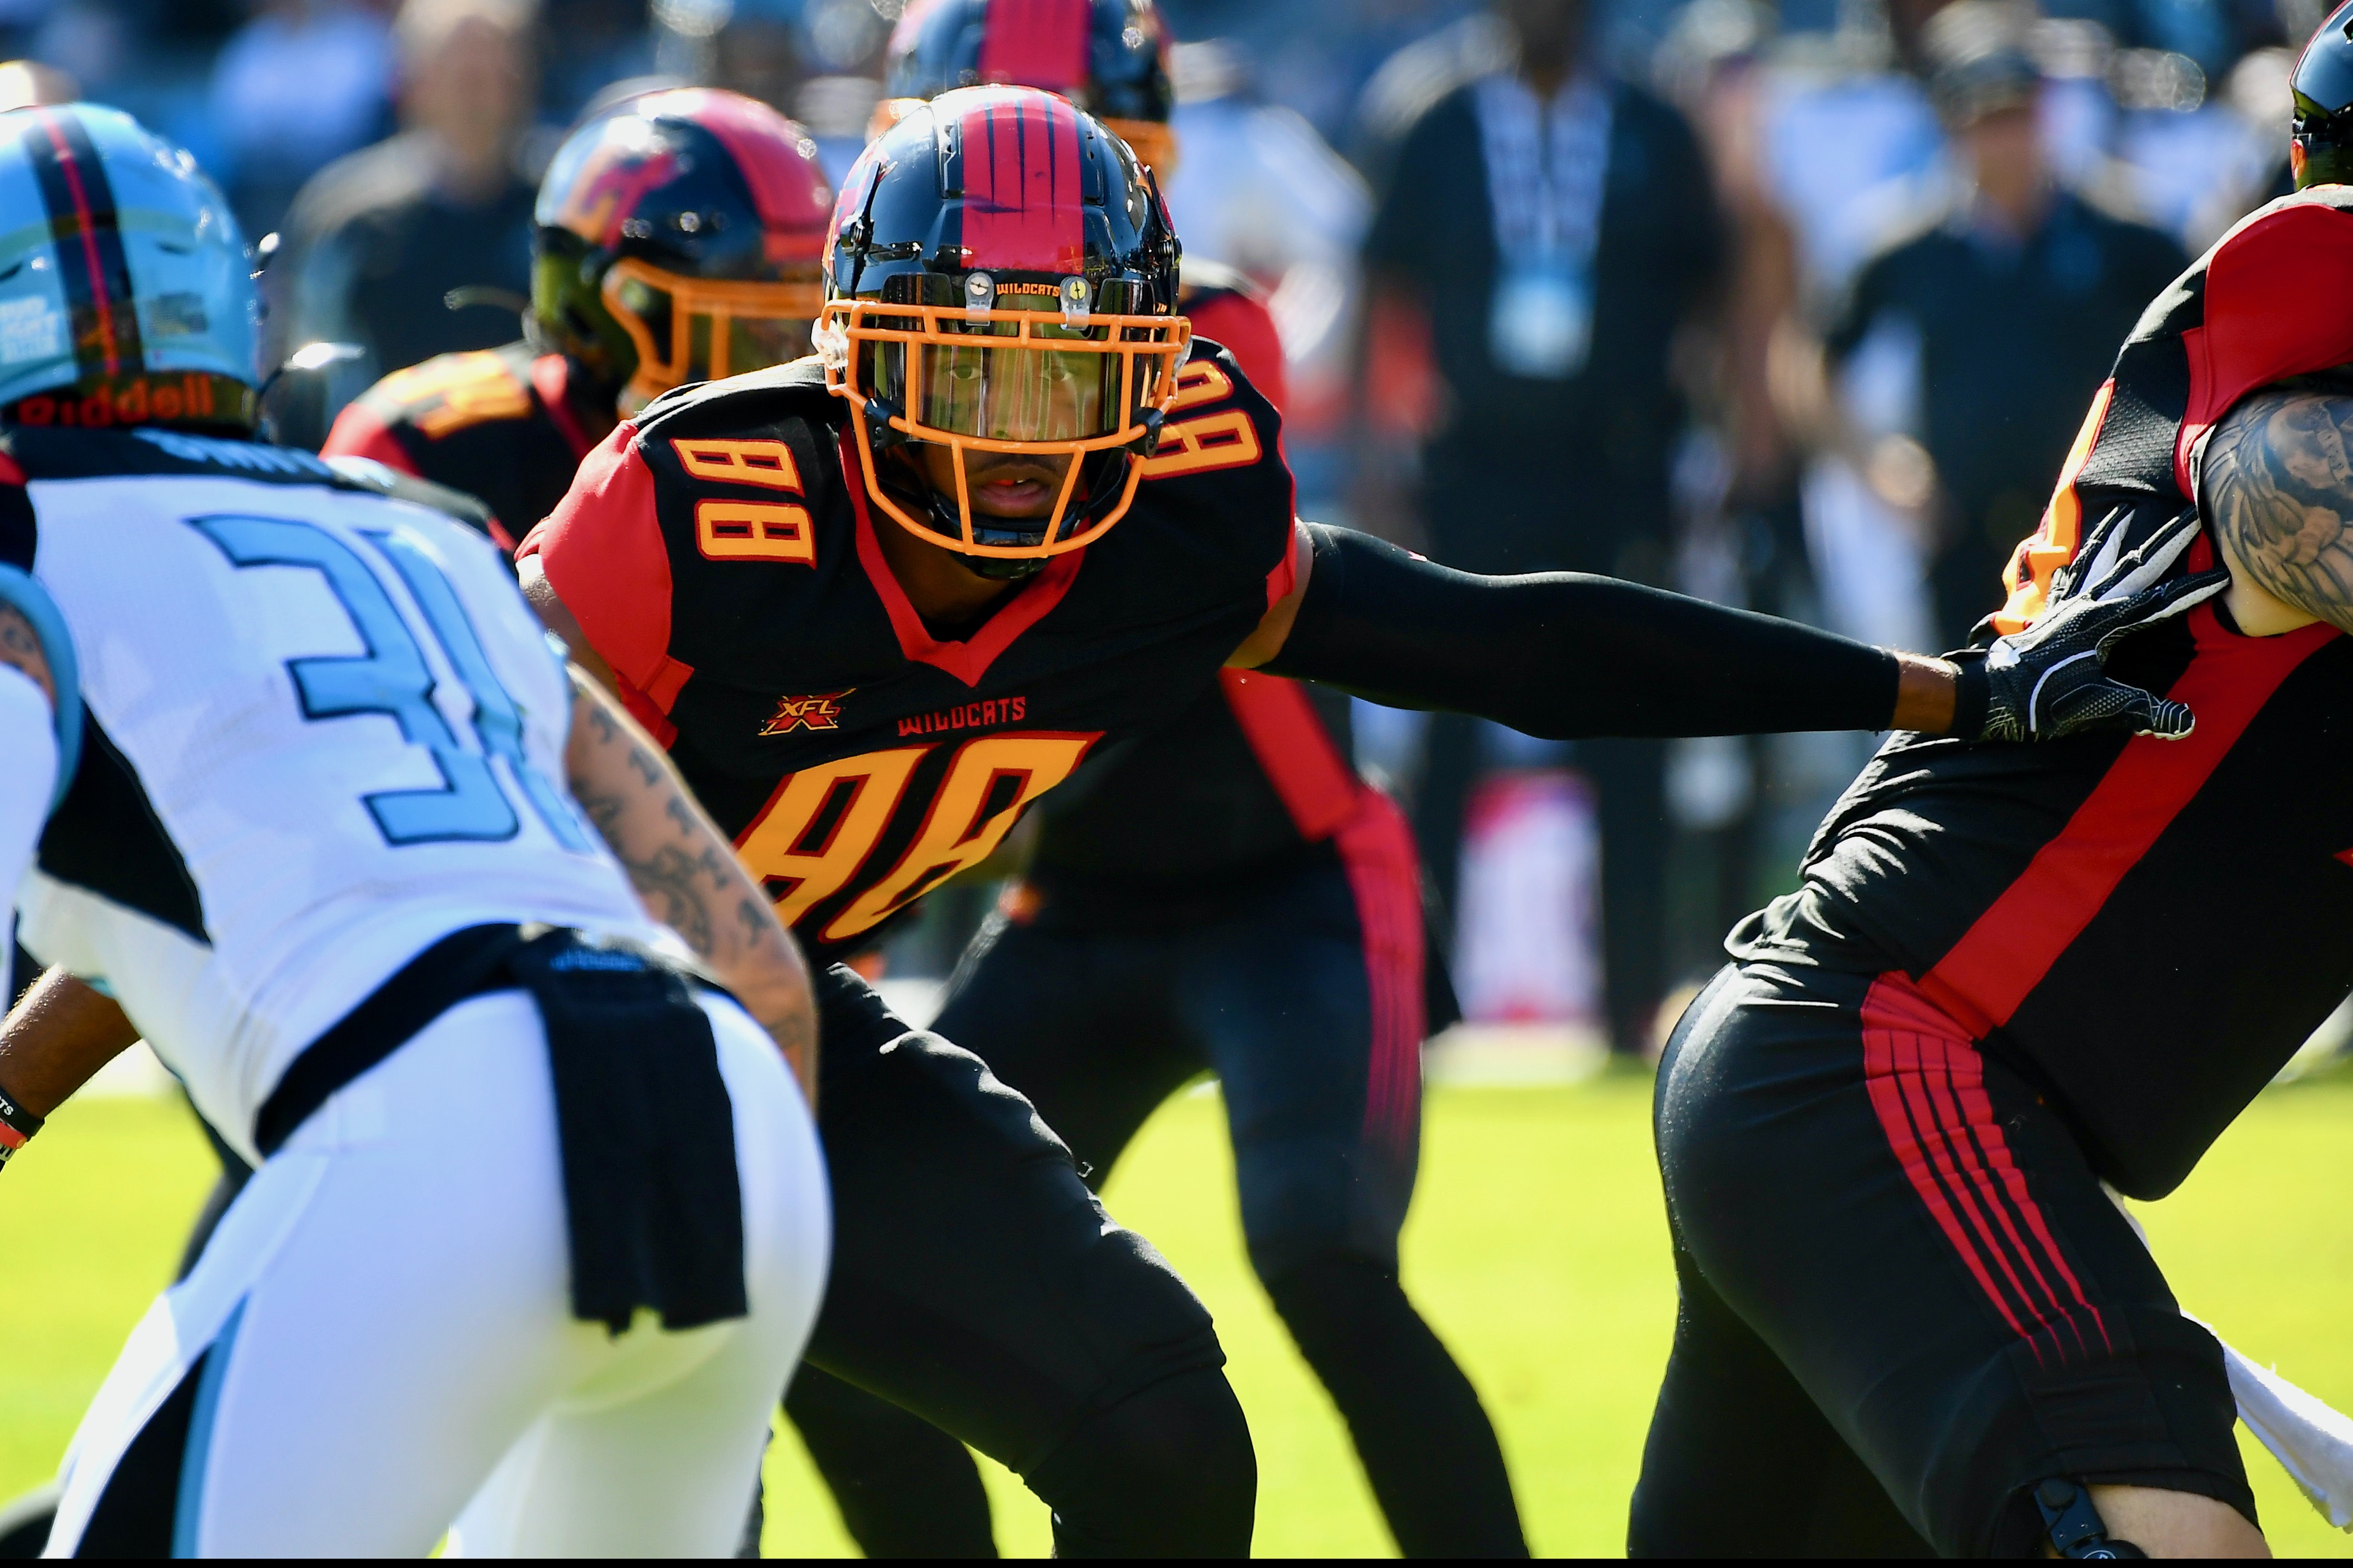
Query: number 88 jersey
x,y
323,730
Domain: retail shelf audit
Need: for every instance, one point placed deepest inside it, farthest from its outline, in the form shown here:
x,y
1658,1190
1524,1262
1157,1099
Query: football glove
x,y
2050,678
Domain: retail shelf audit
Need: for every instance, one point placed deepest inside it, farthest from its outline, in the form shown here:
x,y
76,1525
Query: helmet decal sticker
x,y
617,175
97,277
774,154
1022,210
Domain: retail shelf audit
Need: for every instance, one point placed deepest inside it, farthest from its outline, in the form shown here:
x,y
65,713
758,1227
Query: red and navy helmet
x,y
679,239
1108,57
1001,277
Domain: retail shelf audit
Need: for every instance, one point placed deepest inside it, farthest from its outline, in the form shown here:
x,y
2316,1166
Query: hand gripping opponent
x,y
2051,679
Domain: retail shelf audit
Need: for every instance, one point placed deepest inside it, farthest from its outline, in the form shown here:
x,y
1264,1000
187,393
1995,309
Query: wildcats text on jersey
x,y
971,716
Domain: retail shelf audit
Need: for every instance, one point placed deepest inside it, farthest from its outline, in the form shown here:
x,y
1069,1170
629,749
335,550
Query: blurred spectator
x,y
817,61
2012,301
1546,231
584,45
304,82
378,241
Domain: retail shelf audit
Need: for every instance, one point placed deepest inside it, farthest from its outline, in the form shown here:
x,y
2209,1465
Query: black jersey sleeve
x,y
1565,655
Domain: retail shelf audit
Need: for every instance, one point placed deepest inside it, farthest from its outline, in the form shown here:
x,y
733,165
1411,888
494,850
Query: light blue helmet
x,y
126,296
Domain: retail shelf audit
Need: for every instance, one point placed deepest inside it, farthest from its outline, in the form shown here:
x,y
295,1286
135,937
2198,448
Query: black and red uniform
x,y
721,555
505,425
1226,894
2010,975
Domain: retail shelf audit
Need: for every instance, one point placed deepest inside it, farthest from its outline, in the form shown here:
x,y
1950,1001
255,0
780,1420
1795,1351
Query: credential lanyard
x,y
1547,165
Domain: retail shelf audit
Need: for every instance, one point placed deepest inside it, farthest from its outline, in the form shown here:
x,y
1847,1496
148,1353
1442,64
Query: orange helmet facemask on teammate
x,y
1001,278
679,235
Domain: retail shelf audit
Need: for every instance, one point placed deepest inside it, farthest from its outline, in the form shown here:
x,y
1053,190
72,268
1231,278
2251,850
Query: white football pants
x,y
387,1304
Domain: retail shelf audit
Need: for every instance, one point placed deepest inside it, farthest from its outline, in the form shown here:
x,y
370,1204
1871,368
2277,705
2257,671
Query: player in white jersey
x,y
539,1226
40,739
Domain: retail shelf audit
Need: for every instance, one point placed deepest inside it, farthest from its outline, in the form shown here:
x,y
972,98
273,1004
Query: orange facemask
x,y
698,329
988,380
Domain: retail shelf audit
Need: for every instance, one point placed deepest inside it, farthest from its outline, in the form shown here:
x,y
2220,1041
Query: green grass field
x,y
1535,1247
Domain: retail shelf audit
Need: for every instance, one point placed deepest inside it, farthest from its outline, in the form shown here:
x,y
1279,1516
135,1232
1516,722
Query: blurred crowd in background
x,y
1793,308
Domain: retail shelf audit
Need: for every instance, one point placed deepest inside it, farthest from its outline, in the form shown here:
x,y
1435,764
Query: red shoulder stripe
x,y
2264,320
603,552
1318,787
358,432
2004,955
1246,328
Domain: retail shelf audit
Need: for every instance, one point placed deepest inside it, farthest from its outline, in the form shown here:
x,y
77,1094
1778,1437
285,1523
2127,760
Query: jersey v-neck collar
x,y
967,661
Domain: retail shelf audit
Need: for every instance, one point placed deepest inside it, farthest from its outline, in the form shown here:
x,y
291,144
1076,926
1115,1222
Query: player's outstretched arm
x,y
686,872
55,1038
1564,655
2278,487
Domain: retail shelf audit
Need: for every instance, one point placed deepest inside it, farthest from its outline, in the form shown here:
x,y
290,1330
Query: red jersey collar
x,y
967,661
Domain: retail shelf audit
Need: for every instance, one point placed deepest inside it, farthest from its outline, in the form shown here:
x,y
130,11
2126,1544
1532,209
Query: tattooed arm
x,y
686,872
2277,484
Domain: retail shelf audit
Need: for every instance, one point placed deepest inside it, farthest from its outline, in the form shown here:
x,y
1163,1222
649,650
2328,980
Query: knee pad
x,y
1168,1471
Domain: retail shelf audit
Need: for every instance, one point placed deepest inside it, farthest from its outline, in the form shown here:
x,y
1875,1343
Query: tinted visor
x,y
1025,389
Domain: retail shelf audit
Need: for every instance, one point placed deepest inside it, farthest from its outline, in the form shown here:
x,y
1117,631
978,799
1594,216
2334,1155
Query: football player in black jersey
x,y
877,601
1222,893
677,237
1911,1317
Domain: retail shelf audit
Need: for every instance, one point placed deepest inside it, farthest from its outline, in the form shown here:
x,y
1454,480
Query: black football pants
x,y
1306,1000
1906,1298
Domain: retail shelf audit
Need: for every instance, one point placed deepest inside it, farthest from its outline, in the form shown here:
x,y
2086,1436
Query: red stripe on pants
x,y
1927,1083
1325,799
1376,847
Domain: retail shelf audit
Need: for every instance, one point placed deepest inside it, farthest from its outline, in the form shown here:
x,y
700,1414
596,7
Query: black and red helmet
x,y
1001,277
679,239
1108,57
2320,145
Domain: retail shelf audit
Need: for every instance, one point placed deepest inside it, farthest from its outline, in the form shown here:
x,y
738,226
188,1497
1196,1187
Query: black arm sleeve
x,y
1563,654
